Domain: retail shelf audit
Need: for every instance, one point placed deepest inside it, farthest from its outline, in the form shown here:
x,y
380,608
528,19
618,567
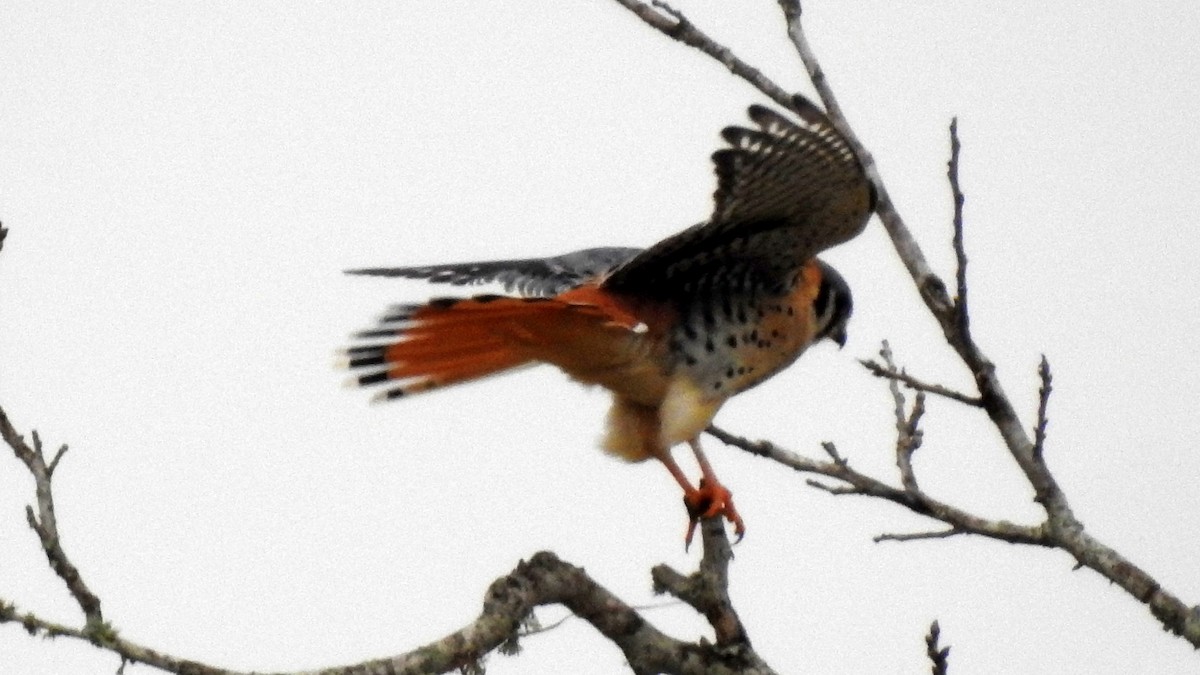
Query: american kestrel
x,y
673,331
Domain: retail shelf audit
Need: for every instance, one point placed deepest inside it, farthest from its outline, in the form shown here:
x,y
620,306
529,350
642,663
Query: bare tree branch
x,y
707,589
672,23
879,370
858,483
545,579
930,286
908,440
507,606
908,436
44,522
960,251
1061,529
832,451
914,536
1039,431
939,657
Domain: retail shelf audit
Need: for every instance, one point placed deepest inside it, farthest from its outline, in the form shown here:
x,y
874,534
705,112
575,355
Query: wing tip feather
x,y
387,395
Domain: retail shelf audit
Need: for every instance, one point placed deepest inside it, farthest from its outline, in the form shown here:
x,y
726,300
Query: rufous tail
x,y
447,341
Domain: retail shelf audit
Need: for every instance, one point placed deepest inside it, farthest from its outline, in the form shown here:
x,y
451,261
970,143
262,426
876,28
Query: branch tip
x,y
879,370
832,451
675,25
916,536
671,11
1039,431
939,657
962,318
54,462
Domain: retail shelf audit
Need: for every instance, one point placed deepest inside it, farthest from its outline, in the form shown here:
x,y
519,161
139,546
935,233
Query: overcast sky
x,y
185,182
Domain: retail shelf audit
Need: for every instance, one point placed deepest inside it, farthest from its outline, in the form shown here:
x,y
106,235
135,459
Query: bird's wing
x,y
785,192
538,277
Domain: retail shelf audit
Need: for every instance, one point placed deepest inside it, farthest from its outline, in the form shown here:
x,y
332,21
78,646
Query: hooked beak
x,y
839,336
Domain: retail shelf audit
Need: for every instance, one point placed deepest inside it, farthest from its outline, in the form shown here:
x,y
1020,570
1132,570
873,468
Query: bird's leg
x,y
676,472
712,499
691,496
706,469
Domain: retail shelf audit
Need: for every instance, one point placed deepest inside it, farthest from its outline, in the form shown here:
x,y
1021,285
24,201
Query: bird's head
x,y
832,306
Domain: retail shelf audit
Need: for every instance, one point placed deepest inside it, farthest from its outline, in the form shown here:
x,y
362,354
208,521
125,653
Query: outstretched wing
x,y
532,277
785,192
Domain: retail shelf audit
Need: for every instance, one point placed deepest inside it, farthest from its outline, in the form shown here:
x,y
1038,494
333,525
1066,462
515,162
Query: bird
x,y
673,331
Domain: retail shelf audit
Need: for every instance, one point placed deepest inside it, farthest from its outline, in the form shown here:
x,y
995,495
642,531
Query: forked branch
x,y
1061,528
509,602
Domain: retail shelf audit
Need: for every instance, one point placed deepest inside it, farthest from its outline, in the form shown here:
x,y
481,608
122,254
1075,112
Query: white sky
x,y
184,184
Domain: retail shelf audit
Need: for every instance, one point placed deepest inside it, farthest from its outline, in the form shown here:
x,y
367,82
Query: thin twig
x,y
908,433
832,489
879,370
908,439
62,450
960,251
915,536
535,627
931,287
43,520
885,352
1039,432
939,657
832,451
857,483
672,23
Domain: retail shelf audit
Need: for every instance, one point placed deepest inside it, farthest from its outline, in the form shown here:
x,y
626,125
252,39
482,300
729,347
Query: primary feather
x,y
538,277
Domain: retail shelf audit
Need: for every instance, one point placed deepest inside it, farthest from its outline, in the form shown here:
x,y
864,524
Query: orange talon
x,y
710,500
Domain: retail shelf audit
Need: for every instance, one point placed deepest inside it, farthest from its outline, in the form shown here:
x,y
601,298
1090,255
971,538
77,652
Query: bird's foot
x,y
710,500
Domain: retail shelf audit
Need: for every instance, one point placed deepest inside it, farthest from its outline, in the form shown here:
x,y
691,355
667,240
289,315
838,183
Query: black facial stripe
x,y
821,303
